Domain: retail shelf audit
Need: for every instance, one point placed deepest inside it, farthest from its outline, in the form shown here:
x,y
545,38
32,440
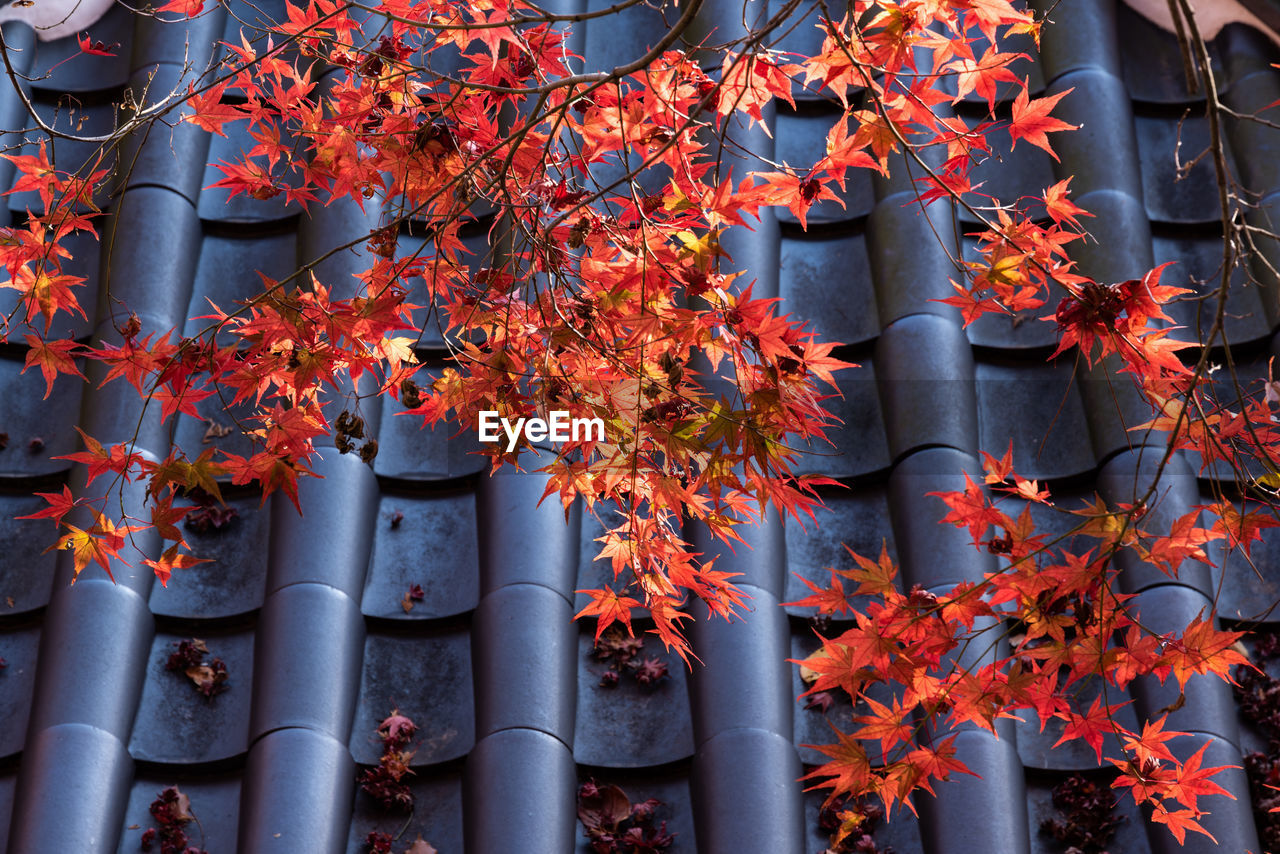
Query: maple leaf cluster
x,y
1088,820
622,652
615,825
1074,626
606,301
614,298
207,675
385,781
172,813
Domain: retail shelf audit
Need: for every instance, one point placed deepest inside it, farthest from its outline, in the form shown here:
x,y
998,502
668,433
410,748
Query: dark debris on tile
x,y
673,814
436,815
1130,834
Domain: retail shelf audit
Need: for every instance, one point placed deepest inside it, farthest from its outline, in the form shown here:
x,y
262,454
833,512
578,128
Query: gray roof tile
x,y
427,676
176,724
630,725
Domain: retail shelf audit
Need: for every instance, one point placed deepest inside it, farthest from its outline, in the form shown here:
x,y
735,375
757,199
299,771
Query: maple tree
x,y
614,298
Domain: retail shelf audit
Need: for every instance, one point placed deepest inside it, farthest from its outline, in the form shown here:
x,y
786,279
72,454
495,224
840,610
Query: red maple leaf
x,y
1031,120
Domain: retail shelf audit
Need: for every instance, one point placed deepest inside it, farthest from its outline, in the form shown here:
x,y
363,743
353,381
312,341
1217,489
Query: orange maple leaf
x,y
1031,120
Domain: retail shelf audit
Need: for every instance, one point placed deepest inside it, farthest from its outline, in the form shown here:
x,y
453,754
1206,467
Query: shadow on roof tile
x,y
427,676
925,376
7,783
215,802
19,647
857,518
827,280
1251,586
38,430
251,16
26,573
176,724
1037,405
228,269
1198,260
177,42
1008,177
437,814
427,540
630,725
669,787
234,583
614,40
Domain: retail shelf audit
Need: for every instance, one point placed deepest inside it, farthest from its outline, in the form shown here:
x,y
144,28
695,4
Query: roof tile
x,y
631,725
427,677
176,724
428,540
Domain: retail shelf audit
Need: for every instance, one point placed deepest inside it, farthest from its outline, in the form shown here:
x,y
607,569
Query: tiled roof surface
x,y
306,611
